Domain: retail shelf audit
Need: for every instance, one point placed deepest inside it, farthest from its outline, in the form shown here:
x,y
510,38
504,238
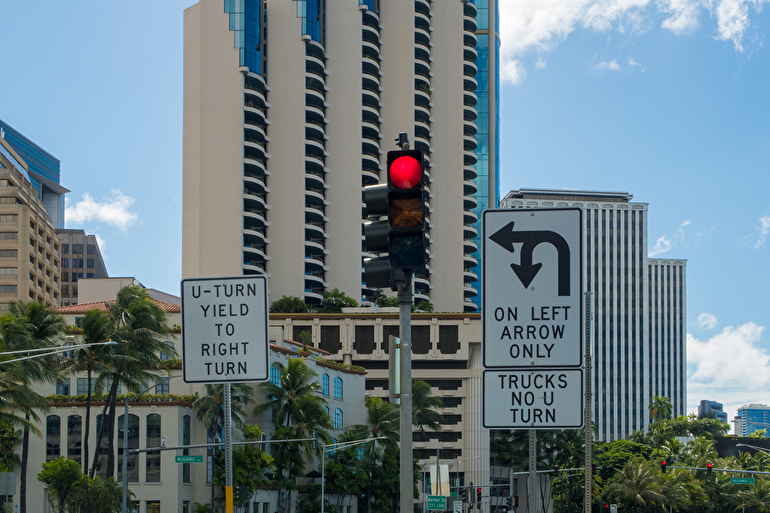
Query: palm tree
x,y
758,496
97,328
423,407
296,381
210,409
638,484
660,408
35,325
382,420
139,329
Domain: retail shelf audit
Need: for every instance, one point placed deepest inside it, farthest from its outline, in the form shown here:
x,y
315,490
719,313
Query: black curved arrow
x,y
525,269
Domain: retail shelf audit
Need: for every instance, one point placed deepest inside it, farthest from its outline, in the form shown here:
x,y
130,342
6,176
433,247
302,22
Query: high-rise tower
x,y
638,307
289,110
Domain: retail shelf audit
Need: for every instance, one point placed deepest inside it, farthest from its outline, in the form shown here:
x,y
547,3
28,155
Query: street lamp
x,y
125,439
334,447
52,350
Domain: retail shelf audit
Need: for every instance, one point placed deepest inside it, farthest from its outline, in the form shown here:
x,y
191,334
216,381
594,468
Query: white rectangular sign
x,y
533,399
224,329
532,288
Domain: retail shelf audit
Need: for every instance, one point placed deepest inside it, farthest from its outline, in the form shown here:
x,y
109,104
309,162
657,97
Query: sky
x,y
668,100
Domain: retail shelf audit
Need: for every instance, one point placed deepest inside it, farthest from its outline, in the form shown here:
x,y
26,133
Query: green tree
x,y
296,380
60,476
97,328
289,304
140,328
249,466
105,496
382,420
9,438
32,325
210,409
660,408
335,300
343,473
424,407
637,485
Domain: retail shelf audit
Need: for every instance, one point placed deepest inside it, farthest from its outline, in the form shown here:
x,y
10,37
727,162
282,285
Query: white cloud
x,y
764,229
731,368
661,246
540,64
706,320
611,66
113,210
540,25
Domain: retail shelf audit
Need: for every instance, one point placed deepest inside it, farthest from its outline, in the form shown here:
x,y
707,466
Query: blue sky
x,y
668,100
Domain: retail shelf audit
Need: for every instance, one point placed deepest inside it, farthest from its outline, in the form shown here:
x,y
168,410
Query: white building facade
x,y
638,308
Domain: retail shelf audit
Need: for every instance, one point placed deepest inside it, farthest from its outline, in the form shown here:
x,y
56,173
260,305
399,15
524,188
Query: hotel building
x,y
289,110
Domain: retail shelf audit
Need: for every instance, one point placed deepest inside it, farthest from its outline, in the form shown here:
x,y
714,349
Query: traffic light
x,y
555,471
593,468
663,466
708,467
478,494
402,235
515,501
470,494
406,210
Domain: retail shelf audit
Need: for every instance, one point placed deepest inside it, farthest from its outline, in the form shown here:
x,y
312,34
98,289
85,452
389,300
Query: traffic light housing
x,y
709,467
663,466
515,501
478,494
402,236
470,495
555,471
593,468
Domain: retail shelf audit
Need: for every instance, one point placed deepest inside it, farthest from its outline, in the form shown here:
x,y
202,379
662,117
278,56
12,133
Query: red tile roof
x,y
101,305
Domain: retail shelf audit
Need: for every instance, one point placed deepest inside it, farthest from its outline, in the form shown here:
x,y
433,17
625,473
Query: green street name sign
x,y
188,459
742,480
437,502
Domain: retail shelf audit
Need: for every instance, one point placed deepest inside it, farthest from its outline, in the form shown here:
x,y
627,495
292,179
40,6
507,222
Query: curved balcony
x,y
469,188
422,22
470,306
370,130
422,70
469,112
470,100
369,177
470,55
421,144
469,291
470,203
314,231
254,218
314,215
422,284
469,261
314,165
314,180
254,131
470,143
422,99
253,201
370,34
470,128
421,53
314,264
254,185
254,237
254,149
314,280
315,113
419,296
315,66
469,84
314,248
372,112
469,277
254,166
470,39
470,69
469,158
469,247
254,254
422,37
370,68
470,231
372,161
469,217
469,23
421,129
315,198
422,114
371,19
314,297
315,147
370,50
257,97
314,132
254,114
315,98
370,96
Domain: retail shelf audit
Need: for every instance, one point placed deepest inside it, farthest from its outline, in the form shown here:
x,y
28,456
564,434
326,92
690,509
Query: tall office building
x,y
42,171
81,258
638,308
289,110
711,409
751,418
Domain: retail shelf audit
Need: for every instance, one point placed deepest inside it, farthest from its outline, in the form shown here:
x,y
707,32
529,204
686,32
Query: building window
x,y
83,386
65,249
162,388
325,384
9,236
52,437
91,249
8,218
74,437
90,263
186,505
153,507
337,418
132,464
364,342
77,249
275,375
63,386
330,339
170,354
9,253
153,440
448,339
9,270
326,409
186,437
420,339
338,388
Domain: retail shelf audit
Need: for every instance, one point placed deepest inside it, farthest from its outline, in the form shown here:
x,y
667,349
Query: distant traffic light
x,y
478,494
708,467
593,468
470,494
515,501
663,466
555,471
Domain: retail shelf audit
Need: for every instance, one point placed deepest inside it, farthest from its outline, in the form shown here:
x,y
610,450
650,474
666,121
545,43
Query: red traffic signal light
x,y
593,468
708,467
663,466
515,501
405,171
478,494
